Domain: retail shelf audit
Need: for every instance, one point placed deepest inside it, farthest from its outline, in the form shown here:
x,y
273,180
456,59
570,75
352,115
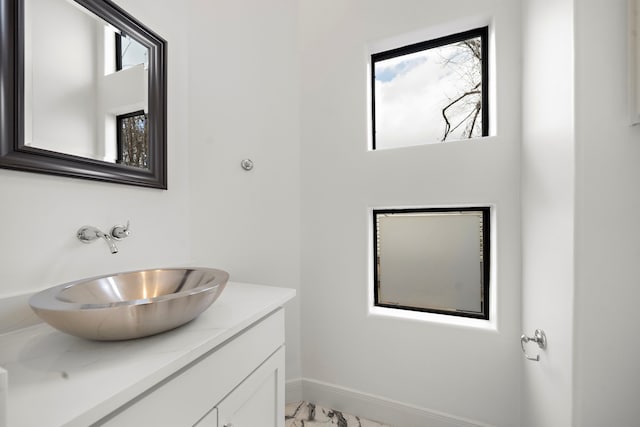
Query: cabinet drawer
x,y
186,396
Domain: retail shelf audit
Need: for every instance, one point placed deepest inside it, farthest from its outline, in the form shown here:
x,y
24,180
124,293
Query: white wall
x,y
434,368
548,208
243,101
41,213
607,320
580,244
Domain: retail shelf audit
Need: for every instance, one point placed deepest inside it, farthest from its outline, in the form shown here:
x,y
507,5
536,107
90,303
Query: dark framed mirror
x,y
82,92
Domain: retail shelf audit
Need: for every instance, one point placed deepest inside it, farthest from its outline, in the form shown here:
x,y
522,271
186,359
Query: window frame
x,y
482,32
486,254
118,39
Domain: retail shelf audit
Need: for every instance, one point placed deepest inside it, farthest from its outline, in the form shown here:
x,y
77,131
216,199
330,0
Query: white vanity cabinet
x,y
224,368
240,383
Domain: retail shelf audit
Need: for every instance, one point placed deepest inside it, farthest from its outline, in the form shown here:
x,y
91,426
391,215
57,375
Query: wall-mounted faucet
x,y
89,233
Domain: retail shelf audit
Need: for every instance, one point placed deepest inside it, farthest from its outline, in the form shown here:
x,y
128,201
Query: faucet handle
x,y
119,232
88,233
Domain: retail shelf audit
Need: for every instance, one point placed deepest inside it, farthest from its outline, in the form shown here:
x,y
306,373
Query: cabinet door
x,y
259,399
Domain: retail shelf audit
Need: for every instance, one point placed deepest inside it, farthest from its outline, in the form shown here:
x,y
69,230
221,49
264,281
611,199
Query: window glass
x,y
431,92
434,260
130,53
133,140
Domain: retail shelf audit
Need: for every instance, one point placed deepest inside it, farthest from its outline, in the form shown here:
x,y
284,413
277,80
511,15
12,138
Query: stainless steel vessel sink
x,y
129,305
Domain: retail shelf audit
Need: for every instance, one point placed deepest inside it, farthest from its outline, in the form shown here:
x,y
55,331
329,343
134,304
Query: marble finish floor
x,y
304,414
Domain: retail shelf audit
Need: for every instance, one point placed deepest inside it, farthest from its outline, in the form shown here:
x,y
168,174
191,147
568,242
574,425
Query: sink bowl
x,y
129,305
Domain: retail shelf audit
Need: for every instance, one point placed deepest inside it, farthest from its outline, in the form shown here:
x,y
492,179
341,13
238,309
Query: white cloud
x,y
409,105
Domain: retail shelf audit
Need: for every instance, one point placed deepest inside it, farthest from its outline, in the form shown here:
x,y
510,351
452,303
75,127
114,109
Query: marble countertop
x,y
55,379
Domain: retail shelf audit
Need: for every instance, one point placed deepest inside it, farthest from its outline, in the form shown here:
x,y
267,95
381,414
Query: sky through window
x,y
429,96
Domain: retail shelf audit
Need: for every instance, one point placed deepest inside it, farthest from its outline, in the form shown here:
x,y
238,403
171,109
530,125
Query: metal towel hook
x,y
539,337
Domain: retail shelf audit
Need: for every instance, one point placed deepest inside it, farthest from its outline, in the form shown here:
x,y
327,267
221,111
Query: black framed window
x,y
433,260
433,91
133,139
129,52
132,135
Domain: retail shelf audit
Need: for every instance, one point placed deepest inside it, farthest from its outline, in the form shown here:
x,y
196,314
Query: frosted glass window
x,y
431,92
434,260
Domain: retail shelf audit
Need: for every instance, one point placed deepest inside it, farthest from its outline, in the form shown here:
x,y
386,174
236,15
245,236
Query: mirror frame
x,y
14,154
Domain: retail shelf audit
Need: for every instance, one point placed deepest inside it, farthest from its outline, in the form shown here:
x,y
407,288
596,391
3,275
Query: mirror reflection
x,y
86,85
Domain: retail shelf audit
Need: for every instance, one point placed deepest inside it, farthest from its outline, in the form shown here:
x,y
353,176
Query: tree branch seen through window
x,y
431,92
133,140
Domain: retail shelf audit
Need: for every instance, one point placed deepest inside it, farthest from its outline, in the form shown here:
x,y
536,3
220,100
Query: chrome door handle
x,y
539,337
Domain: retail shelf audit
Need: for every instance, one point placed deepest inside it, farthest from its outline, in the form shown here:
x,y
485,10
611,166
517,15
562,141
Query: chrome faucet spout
x,y
111,242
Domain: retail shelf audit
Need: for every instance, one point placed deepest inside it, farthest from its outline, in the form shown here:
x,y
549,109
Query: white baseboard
x,y
375,408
